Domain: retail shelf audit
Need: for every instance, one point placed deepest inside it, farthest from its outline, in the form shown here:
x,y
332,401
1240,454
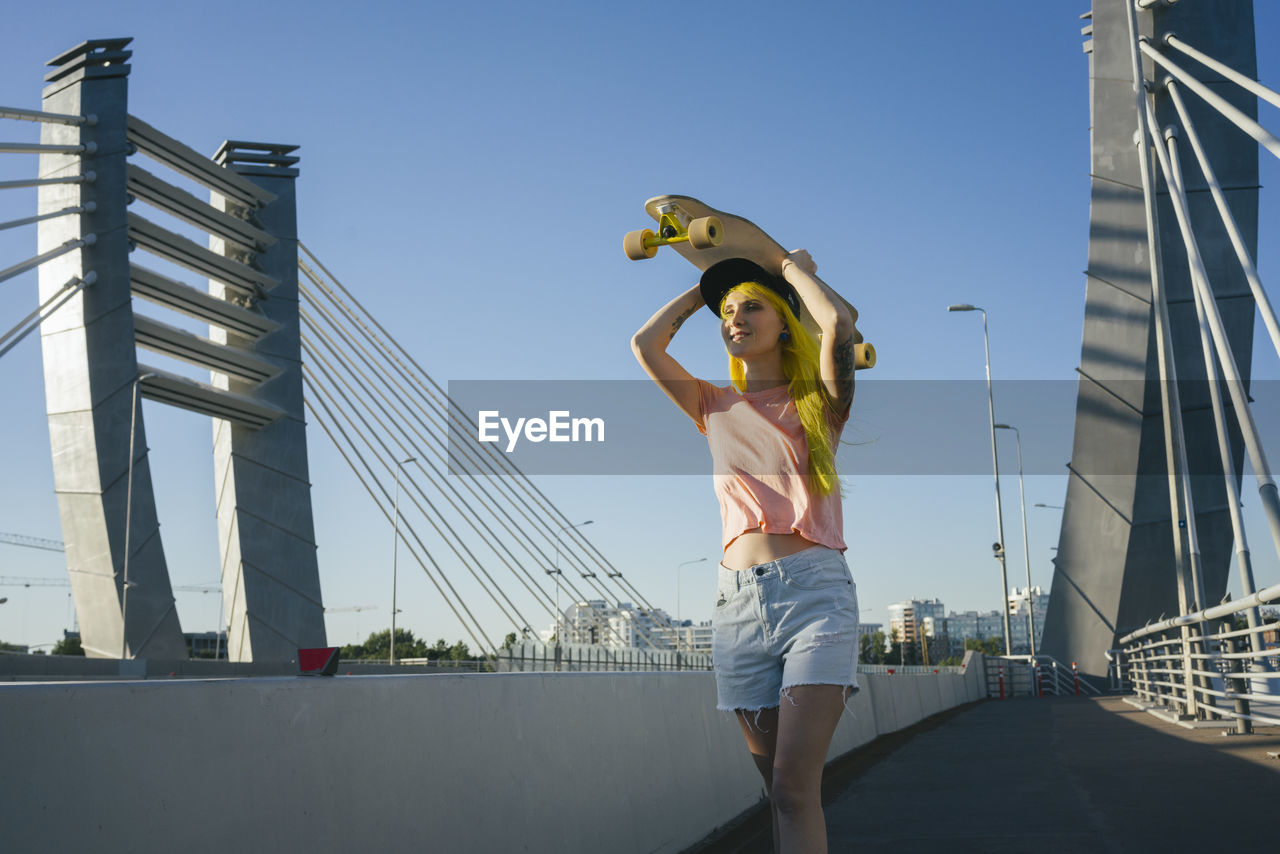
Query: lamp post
x,y
395,550
128,520
678,620
998,547
1026,549
557,572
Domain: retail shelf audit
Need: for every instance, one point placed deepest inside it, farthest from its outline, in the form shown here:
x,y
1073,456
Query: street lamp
x,y
128,519
1050,506
998,546
556,571
1026,550
678,620
395,549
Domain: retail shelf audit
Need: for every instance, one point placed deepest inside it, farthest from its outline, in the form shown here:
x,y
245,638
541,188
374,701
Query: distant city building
x,y
626,626
869,629
913,619
973,625
1019,601
207,644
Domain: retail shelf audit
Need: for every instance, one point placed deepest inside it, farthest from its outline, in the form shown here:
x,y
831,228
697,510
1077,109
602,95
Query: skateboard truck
x,y
702,233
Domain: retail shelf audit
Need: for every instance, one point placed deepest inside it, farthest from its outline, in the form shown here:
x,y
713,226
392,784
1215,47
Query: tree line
x,y
378,647
879,648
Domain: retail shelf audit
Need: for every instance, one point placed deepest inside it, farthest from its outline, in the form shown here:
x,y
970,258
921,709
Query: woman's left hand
x,y
802,259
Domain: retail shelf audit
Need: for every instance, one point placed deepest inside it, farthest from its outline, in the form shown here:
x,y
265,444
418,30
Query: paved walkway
x,y
1052,775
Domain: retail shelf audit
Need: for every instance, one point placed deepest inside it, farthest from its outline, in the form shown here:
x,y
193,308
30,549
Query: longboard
x,y
704,236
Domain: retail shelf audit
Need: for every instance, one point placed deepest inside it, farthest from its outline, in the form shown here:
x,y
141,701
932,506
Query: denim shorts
x,y
791,621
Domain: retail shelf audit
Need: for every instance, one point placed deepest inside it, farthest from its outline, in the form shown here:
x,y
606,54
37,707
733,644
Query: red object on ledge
x,y
319,661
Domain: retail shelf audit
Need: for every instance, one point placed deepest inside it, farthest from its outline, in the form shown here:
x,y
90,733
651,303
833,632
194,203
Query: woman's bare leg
x,y
807,719
761,732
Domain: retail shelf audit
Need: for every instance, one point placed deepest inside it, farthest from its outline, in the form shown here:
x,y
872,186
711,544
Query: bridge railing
x,y
533,657
1198,665
1034,676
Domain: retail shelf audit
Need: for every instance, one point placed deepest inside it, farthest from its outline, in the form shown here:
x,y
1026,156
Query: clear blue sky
x,y
469,170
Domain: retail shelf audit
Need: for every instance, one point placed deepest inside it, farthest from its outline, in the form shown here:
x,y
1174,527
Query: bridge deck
x,y
1052,775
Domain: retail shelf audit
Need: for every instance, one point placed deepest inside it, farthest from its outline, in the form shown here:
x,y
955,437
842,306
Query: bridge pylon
x,y
1146,531
93,378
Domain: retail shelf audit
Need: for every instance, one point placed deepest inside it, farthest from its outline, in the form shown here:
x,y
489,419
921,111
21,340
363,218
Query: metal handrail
x,y
1263,597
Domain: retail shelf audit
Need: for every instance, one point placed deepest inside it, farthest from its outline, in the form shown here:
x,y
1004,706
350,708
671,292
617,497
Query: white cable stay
x,y
531,521
1225,456
438,398
87,178
87,207
538,519
37,260
1235,383
46,118
387,408
361,380
1232,113
1242,80
1228,220
431,513
360,405
42,148
32,321
469,624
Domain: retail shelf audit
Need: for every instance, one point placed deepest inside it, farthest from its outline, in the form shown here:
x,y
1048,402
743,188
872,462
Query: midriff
x,y
754,547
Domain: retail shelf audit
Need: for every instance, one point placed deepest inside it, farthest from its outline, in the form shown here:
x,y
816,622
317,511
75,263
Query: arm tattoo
x,y
844,368
679,321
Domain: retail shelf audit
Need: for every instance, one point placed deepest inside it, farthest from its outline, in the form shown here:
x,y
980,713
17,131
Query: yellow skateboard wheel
x,y
864,356
706,232
634,244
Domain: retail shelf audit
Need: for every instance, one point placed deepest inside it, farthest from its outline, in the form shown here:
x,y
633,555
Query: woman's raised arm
x,y
650,347
833,318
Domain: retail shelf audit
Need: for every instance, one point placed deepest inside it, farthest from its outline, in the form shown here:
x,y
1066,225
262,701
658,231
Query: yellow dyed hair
x,y
800,365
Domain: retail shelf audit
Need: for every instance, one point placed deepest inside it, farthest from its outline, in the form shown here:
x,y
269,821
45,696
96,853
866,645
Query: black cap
x,y
724,276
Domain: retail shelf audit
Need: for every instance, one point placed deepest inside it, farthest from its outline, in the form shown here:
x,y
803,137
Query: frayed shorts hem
x,y
756,711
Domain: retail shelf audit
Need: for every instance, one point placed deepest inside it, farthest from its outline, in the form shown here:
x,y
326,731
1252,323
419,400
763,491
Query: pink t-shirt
x,y
761,459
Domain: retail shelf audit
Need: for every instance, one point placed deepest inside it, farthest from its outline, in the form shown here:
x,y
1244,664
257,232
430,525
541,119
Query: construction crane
x,y
31,542
20,581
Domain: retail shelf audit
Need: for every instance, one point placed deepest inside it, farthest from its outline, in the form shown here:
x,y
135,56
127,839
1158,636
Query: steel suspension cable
x,y
382,347
1235,384
435,513
398,392
387,454
477,635
1228,220
522,622
1171,406
62,296
1241,80
488,534
1264,137
1196,264
534,520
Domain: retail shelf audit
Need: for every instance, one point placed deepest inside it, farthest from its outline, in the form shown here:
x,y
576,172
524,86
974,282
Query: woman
x,y
786,617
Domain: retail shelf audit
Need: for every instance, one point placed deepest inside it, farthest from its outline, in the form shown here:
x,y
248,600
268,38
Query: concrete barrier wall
x,y
564,762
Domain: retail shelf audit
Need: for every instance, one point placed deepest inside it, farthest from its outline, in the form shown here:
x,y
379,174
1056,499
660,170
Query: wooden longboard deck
x,y
742,239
